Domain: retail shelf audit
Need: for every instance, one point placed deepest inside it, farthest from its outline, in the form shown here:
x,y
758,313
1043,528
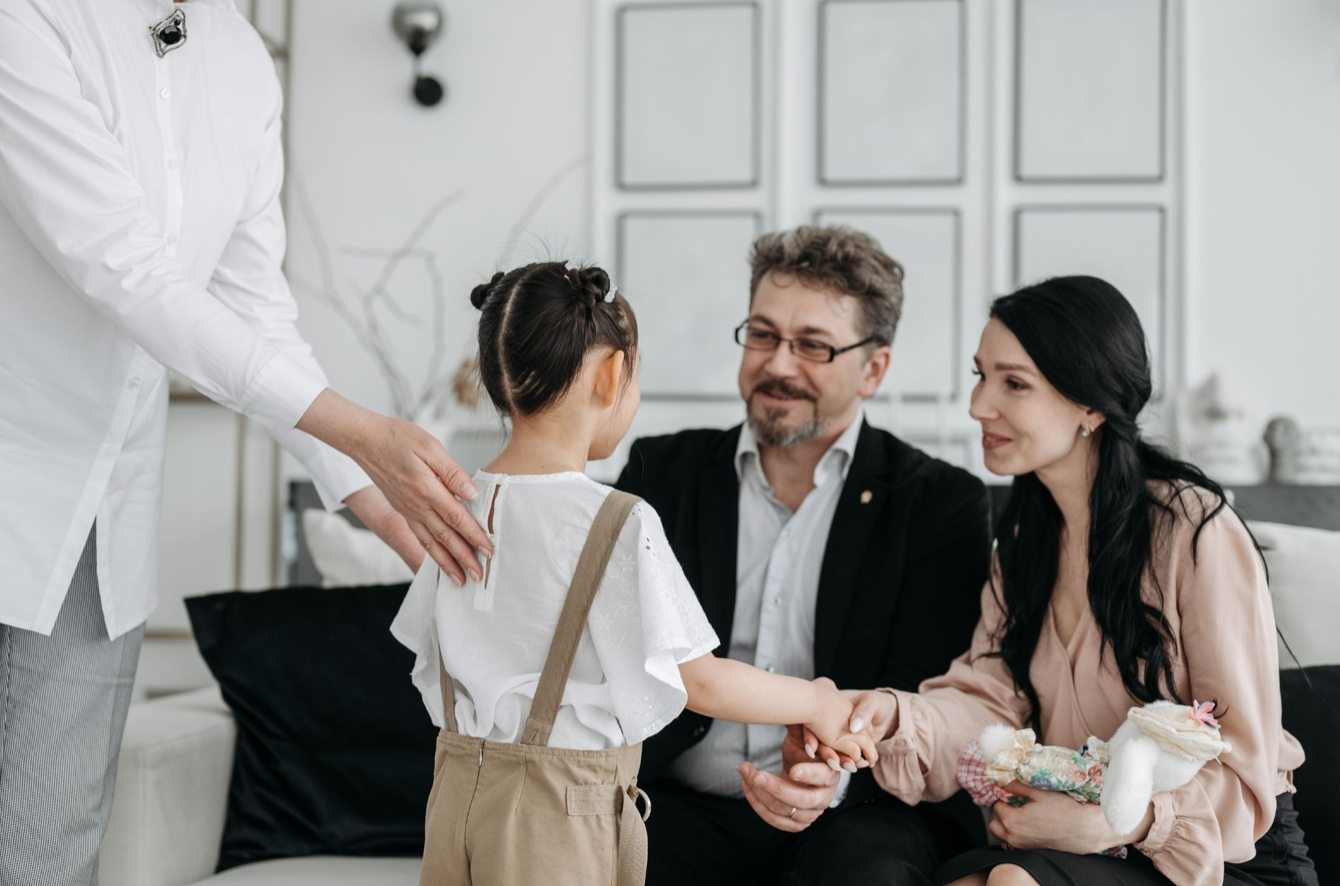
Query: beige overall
x,y
526,814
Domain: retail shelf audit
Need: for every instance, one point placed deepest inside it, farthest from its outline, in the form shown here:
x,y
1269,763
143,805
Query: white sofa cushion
x,y
171,792
347,556
1305,583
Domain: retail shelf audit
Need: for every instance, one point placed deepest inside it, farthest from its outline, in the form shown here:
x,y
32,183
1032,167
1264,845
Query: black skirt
x,y
1281,860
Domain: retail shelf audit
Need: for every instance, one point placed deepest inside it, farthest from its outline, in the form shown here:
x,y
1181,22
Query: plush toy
x,y
1014,755
1161,746
1002,755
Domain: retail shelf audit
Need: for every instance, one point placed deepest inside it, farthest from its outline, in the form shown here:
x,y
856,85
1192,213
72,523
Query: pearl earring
x,y
1086,431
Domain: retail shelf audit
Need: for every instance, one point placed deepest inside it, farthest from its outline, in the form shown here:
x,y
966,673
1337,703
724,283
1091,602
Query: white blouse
x,y
140,227
494,634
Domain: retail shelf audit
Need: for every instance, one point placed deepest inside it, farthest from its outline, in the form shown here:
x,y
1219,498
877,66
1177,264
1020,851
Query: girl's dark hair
x,y
1088,343
537,325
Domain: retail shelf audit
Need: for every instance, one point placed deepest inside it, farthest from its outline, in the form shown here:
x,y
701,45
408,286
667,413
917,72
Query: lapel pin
x,y
170,33
866,496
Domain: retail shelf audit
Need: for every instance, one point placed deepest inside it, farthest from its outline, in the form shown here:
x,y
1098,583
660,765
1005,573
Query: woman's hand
x,y
1053,820
874,710
833,723
415,474
370,506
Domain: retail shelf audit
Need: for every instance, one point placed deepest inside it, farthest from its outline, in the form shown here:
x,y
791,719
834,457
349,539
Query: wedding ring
x,y
792,813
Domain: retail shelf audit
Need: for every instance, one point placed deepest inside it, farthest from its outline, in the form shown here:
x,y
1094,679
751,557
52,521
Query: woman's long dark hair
x,y
1086,340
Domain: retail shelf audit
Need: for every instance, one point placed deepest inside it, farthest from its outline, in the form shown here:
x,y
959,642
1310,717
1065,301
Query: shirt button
x,y
165,94
771,669
172,239
173,164
776,601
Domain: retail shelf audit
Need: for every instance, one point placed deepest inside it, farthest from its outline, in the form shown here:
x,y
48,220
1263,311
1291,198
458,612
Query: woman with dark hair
x,y
1121,576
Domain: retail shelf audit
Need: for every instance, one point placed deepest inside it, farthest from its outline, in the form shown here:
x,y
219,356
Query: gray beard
x,y
769,431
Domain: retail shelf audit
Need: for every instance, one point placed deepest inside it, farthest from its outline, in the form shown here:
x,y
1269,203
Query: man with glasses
x,y
819,546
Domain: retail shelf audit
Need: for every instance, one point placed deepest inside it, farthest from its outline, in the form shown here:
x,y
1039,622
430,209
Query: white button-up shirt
x,y
140,227
777,564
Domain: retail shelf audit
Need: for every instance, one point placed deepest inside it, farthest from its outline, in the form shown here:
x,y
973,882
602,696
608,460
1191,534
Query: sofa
x,y
171,797
176,758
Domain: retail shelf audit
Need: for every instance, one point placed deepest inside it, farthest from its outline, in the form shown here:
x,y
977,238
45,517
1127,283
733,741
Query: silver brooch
x,y
170,33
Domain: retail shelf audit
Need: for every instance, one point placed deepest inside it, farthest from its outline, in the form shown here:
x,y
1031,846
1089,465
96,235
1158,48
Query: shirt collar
x,y
836,461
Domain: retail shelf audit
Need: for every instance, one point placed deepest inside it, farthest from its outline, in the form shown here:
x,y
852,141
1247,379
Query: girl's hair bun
x,y
590,285
480,293
537,326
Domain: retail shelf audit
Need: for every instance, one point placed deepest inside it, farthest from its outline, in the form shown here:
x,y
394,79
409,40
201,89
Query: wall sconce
x,y
418,23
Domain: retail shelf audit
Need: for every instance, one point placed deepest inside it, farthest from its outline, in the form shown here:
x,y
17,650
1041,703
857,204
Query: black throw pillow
x,y
334,746
1312,715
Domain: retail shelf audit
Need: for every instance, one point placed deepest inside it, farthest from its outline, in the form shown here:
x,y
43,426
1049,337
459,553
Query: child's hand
x,y
832,721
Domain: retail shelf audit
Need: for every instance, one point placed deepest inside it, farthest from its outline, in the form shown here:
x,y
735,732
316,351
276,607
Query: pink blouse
x,y
1223,627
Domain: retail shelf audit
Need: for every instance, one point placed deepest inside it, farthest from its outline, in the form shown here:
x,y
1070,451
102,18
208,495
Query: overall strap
x,y
448,696
585,582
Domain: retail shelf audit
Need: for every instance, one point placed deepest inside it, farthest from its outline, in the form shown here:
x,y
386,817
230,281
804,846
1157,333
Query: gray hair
x,y
843,260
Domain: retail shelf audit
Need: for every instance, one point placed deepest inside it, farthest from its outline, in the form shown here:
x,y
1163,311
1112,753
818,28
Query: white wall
x,y
1263,203
372,162
1262,182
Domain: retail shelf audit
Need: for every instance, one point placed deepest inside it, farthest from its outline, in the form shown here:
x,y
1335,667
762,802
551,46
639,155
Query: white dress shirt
x,y
494,634
140,227
777,563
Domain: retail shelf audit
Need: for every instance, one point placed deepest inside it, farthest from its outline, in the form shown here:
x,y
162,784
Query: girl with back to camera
x,y
582,637
1121,577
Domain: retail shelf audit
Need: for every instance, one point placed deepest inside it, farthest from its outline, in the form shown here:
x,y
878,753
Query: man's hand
x,y
807,787
370,506
415,474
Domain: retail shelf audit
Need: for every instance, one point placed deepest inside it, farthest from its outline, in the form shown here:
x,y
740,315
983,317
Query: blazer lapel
x,y
865,494
718,527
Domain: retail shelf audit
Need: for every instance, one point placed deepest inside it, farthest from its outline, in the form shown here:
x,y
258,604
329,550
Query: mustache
x,y
777,386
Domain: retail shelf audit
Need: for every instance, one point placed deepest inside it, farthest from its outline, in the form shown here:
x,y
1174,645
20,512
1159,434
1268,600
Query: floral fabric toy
x,y
1160,747
1013,754
1003,755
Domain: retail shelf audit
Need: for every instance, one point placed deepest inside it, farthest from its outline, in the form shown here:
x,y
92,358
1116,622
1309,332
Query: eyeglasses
x,y
756,338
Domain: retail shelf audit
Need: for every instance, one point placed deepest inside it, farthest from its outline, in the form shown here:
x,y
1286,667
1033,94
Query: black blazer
x,y
902,574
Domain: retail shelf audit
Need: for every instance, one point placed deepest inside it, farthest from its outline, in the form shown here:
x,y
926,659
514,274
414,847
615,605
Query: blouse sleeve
x,y
645,622
919,761
415,627
1227,633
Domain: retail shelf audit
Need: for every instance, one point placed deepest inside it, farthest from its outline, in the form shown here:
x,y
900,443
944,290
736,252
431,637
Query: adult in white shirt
x,y
140,228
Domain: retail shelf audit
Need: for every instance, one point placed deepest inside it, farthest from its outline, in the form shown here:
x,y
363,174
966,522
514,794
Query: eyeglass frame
x,y
791,344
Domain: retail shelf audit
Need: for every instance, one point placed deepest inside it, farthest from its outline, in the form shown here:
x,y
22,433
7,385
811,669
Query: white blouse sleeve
x,y
645,622
415,627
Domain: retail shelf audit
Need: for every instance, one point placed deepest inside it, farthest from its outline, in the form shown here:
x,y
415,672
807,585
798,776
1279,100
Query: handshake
x,y
839,734
847,740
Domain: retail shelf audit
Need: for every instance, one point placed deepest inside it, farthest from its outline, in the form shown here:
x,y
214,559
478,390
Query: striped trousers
x,y
63,704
